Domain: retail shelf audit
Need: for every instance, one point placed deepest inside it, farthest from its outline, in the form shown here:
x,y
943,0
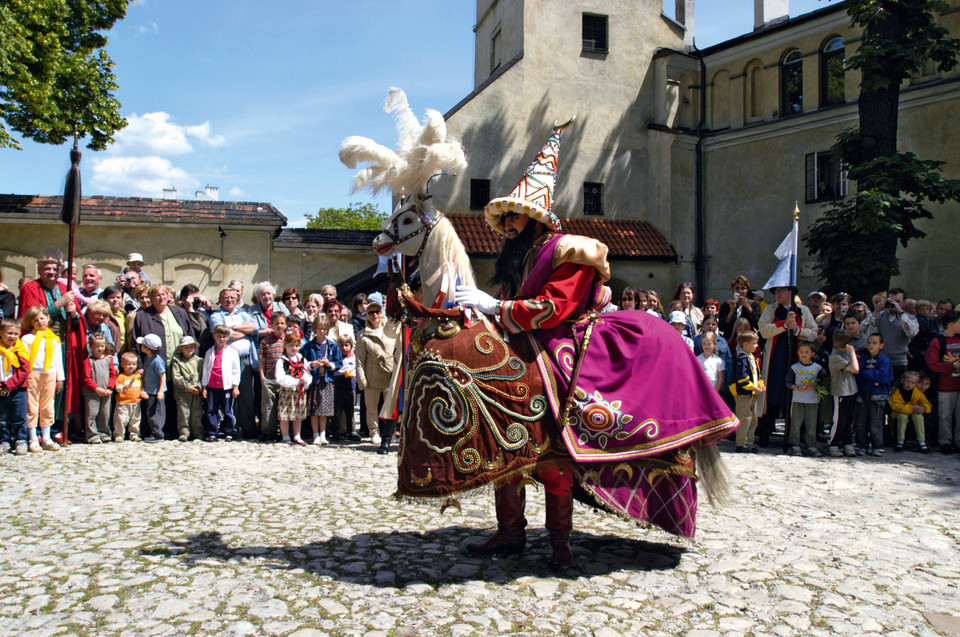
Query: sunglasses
x,y
374,311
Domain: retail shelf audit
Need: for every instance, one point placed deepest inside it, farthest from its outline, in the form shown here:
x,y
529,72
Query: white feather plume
x,y
424,151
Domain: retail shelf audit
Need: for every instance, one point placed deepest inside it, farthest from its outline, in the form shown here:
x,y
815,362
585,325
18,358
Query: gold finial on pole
x,y
796,211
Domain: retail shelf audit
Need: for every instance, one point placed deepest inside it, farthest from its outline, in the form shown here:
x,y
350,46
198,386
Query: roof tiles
x,y
625,239
145,208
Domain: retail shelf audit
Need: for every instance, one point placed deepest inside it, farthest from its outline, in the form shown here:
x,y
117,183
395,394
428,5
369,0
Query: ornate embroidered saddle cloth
x,y
476,414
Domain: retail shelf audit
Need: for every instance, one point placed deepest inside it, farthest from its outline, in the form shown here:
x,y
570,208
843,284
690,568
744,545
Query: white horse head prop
x,y
415,228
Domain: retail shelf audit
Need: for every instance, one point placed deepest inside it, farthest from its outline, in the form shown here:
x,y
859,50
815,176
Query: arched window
x,y
720,106
753,91
832,89
791,84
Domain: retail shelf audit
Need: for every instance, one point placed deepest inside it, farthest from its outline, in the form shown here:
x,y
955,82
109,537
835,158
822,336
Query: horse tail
x,y
712,474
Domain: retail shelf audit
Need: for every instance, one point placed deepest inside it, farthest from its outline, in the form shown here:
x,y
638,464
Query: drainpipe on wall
x,y
699,259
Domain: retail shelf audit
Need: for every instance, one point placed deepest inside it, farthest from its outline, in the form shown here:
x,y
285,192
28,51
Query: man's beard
x,y
508,270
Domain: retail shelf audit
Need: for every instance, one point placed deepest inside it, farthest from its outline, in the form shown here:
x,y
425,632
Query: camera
x,y
891,303
197,303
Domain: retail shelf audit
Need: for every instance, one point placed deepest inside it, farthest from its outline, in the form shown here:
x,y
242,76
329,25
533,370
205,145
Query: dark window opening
x,y
592,198
832,81
479,193
825,178
594,33
791,84
495,44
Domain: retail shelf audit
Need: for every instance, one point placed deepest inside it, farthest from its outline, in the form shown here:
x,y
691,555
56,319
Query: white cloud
x,y
237,193
144,29
202,134
140,176
155,134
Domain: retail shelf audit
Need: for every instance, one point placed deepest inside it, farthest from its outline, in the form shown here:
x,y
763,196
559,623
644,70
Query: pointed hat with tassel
x,y
533,194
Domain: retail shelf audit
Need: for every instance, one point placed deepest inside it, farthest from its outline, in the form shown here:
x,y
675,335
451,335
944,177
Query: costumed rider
x,y
622,387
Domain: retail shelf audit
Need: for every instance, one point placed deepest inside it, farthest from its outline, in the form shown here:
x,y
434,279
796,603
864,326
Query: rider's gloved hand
x,y
469,296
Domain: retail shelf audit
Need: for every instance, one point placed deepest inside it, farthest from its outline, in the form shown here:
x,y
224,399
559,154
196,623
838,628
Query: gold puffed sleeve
x,y
581,250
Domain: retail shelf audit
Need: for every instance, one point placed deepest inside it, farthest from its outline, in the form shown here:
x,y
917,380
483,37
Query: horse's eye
x,y
407,221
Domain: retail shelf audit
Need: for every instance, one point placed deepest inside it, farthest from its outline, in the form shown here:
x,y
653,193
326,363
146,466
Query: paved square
x,y
254,539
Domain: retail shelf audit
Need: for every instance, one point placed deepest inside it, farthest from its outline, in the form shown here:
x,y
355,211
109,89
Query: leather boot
x,y
511,536
387,428
559,522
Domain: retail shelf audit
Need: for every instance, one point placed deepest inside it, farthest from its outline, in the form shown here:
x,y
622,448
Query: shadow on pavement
x,y
433,557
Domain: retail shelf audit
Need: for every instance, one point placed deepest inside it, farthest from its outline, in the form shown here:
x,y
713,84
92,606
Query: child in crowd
x,y
293,378
129,388
679,322
186,368
802,379
688,331
907,401
712,364
324,359
858,338
46,377
822,358
712,306
114,298
99,381
873,383
154,384
741,325
929,419
345,388
710,324
927,331
14,374
943,358
843,385
221,385
271,349
746,387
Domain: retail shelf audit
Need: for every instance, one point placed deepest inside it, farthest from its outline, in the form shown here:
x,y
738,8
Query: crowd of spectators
x,y
845,375
144,362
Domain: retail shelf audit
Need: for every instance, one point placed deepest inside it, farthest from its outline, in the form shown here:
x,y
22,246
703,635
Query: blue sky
x,y
256,97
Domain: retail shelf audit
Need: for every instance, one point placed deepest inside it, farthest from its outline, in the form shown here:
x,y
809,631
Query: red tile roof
x,y
143,208
628,240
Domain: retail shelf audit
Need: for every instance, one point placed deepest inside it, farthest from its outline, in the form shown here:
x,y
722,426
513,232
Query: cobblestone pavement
x,y
263,539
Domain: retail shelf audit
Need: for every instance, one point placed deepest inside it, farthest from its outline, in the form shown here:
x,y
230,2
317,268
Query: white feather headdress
x,y
425,151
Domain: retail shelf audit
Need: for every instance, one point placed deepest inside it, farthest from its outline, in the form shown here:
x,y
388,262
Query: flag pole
x,y
791,337
70,214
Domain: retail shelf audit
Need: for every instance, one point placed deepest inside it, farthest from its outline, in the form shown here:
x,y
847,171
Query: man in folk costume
x,y
482,405
60,303
779,321
623,386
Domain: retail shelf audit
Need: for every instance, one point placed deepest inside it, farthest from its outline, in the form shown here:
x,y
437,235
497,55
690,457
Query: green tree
x,y
55,77
356,216
855,241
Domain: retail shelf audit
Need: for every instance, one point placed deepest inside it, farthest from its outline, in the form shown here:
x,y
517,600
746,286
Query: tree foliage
x,y
856,239
55,76
356,216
